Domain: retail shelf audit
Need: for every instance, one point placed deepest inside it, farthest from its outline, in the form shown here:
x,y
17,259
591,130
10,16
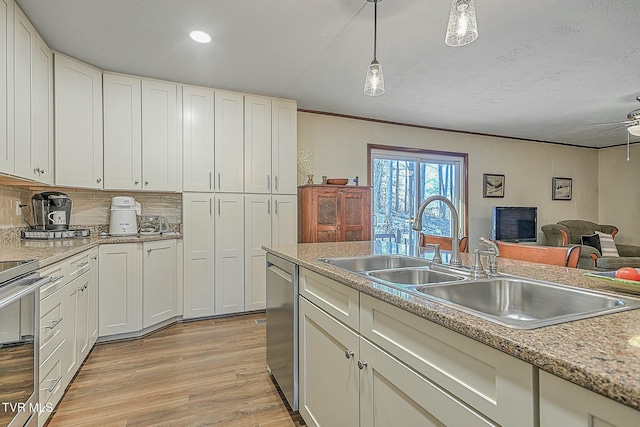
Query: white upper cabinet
x,y
32,103
198,139
257,144
78,124
122,132
284,142
229,160
6,87
161,141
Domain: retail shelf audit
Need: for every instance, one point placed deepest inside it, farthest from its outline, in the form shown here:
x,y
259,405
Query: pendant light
x,y
374,82
462,28
634,130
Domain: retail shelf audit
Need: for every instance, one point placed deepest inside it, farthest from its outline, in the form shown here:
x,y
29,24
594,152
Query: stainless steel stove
x,y
19,341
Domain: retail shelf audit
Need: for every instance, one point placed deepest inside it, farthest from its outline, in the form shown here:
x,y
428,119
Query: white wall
x,y
618,201
339,146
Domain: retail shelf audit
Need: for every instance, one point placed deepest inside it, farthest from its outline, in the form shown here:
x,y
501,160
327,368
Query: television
x,y
514,224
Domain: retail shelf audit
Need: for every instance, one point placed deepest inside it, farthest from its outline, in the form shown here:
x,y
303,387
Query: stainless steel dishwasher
x,y
282,326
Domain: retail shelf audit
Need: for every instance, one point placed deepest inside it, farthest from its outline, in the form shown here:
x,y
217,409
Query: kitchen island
x,y
593,353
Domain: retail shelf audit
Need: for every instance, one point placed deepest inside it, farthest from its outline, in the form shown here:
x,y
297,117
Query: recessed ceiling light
x,y
200,36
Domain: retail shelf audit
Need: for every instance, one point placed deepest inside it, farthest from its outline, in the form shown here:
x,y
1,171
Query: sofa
x,y
569,233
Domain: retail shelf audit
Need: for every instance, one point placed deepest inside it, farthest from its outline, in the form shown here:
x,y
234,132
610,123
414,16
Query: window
x,y
402,178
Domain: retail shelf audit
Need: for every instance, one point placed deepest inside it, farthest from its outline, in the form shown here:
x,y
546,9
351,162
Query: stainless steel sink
x,y
526,304
413,276
375,262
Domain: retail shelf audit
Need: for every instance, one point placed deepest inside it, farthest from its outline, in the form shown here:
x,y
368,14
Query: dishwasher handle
x,y
276,270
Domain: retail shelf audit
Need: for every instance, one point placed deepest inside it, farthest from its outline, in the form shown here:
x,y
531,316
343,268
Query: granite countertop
x,y
594,353
48,252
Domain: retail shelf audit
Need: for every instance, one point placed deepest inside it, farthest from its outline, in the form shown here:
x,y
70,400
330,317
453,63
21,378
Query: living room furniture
x,y
569,232
444,242
333,213
562,256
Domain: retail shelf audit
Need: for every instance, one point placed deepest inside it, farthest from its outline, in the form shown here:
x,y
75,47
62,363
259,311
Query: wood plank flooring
x,y
203,373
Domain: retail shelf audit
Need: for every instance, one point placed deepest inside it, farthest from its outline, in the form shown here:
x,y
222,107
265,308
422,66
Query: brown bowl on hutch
x,y
337,181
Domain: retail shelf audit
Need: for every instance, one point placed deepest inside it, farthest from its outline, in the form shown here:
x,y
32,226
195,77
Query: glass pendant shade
x,y
634,130
374,83
462,28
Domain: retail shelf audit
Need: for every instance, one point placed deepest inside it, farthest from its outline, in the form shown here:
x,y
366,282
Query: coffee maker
x,y
51,210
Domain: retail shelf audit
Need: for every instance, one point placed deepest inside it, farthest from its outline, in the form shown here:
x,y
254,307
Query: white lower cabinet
x,y
569,405
68,324
329,374
394,368
159,282
120,289
198,237
229,253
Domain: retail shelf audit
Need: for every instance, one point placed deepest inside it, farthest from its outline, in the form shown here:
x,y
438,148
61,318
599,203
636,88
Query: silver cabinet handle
x,y
210,181
268,182
276,203
99,180
268,207
136,182
219,181
218,207
276,178
146,182
54,323
149,251
55,384
41,170
210,207
348,354
362,364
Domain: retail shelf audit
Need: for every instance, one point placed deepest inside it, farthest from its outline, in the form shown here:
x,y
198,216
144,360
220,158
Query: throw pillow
x,y
608,247
591,240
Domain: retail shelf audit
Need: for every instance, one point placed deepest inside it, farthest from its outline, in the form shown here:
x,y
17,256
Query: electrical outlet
x,y
18,209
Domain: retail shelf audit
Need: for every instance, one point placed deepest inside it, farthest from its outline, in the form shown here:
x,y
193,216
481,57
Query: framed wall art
x,y
493,185
561,188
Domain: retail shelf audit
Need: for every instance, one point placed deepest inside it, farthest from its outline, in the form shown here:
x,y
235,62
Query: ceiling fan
x,y
632,124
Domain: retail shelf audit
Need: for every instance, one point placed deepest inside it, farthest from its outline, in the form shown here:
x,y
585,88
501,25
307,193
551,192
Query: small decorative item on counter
x,y
356,181
310,179
324,179
337,181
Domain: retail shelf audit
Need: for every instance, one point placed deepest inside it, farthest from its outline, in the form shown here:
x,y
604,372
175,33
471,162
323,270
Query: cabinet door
x,y
324,220
120,289
93,299
72,329
257,144
158,282
284,143
197,138
83,316
285,220
197,216
6,87
569,405
329,381
122,132
229,147
42,110
161,153
229,253
24,36
257,219
78,124
355,217
392,394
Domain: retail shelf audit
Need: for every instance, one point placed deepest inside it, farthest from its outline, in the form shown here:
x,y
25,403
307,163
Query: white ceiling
x,y
540,69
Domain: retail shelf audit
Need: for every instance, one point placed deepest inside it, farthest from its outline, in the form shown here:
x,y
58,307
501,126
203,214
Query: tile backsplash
x,y
89,207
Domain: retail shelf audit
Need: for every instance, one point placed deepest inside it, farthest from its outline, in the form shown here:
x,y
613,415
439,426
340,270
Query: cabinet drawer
x,y
494,383
58,273
79,264
51,383
52,313
339,300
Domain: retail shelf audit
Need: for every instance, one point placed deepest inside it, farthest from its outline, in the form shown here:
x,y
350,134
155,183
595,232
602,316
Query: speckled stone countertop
x,y
48,252
593,353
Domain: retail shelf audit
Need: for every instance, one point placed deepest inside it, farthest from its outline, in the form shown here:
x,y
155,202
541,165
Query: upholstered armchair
x,y
568,233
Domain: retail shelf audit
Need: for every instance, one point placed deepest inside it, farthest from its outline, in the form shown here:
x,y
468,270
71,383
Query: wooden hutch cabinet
x,y
333,213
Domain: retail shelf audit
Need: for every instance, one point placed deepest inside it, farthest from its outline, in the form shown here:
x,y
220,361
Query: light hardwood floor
x,y
203,373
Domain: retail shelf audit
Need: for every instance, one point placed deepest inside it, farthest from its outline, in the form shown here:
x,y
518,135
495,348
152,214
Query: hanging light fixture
x,y
374,82
462,28
634,130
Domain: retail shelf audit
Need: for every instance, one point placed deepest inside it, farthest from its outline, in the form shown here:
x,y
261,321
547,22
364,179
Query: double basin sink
x,y
511,301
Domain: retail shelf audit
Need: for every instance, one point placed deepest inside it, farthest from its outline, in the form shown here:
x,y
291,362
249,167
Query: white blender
x,y
124,212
